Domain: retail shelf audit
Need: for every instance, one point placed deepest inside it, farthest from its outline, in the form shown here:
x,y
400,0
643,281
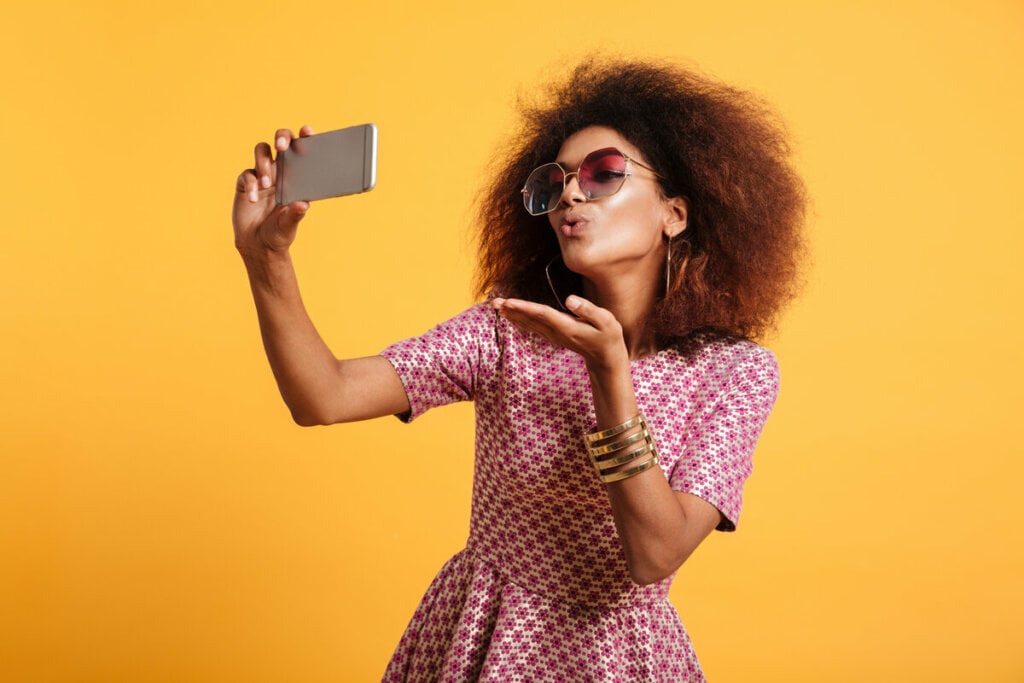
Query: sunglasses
x,y
601,174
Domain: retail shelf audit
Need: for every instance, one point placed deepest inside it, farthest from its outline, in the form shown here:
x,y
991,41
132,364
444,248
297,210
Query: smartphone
x,y
331,164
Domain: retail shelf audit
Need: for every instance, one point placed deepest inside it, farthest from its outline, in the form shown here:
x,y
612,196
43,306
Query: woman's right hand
x,y
261,226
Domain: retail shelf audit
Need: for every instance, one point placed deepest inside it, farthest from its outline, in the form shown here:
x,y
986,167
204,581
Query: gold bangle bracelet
x,y
593,436
596,451
610,463
615,459
612,454
631,472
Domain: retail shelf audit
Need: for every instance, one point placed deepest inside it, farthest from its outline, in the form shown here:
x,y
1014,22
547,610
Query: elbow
x,y
647,570
647,575
307,418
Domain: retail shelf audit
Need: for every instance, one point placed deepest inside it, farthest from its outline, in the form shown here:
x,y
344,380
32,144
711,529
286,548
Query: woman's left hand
x,y
594,333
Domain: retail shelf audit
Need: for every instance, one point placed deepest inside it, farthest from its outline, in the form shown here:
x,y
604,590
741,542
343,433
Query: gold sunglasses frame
x,y
566,176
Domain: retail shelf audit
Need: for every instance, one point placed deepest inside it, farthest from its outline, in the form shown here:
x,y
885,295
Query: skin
x,y
616,243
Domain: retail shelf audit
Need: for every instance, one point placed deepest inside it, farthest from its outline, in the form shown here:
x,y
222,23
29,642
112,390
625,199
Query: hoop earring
x,y
551,284
668,268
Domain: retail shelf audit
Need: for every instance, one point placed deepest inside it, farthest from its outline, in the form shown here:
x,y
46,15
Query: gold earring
x,y
668,268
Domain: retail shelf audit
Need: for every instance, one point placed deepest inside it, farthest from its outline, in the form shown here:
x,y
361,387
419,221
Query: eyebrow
x,y
597,149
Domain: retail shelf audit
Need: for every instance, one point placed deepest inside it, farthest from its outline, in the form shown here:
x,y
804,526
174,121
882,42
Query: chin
x,y
576,264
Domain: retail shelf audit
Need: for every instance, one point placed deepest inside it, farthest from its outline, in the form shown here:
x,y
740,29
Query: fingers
x,y
590,312
248,185
535,317
286,225
523,308
264,166
584,310
292,214
264,171
282,138
594,332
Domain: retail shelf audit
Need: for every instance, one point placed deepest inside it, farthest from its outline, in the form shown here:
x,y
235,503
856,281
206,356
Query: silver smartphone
x,y
331,164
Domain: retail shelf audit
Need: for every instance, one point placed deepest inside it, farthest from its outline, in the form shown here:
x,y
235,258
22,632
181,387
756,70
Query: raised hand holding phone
x,y
273,196
260,224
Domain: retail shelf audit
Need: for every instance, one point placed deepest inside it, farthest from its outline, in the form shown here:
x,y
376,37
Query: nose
x,y
572,193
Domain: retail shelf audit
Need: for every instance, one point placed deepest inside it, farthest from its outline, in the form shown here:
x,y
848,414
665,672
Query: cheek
x,y
641,220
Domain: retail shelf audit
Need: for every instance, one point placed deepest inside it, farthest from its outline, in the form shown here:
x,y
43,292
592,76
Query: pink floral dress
x,y
542,592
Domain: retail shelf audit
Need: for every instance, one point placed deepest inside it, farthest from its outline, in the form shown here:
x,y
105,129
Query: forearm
x,y
656,533
305,368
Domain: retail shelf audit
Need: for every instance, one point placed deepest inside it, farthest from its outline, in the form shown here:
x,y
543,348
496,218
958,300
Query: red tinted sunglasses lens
x,y
602,173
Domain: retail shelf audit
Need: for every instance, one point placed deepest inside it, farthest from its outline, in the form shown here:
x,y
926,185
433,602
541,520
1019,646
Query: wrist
x,y
612,379
267,268
614,362
261,256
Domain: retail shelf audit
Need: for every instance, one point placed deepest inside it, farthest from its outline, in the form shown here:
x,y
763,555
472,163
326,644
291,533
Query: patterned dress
x,y
542,592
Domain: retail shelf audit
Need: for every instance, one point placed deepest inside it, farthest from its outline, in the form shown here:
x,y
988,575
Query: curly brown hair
x,y
737,262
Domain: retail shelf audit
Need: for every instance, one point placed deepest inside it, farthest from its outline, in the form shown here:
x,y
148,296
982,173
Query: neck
x,y
631,302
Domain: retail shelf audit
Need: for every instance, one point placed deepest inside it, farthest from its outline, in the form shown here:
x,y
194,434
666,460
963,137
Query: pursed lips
x,y
572,224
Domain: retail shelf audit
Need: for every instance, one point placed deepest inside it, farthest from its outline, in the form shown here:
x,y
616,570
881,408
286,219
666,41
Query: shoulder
x,y
471,334
726,353
477,322
725,365
481,316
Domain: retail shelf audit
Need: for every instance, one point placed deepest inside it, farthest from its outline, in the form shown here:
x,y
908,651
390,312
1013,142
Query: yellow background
x,y
161,519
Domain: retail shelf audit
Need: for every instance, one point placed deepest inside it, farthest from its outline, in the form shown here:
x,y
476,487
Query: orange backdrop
x,y
161,519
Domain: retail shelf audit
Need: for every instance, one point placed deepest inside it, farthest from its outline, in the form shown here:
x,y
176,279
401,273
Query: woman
x,y
617,394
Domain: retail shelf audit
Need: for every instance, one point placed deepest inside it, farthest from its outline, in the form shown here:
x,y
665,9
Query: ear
x,y
676,209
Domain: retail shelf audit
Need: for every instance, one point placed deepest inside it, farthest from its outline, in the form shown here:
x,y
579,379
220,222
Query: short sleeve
x,y
717,454
447,363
